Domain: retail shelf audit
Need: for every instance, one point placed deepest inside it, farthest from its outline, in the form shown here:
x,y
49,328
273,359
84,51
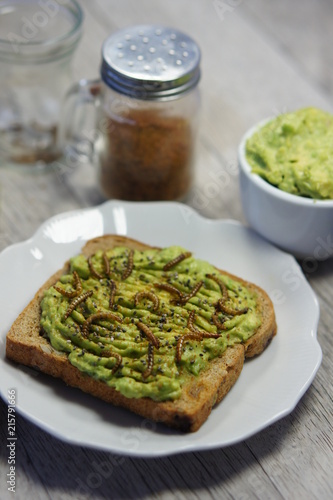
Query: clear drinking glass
x,y
37,41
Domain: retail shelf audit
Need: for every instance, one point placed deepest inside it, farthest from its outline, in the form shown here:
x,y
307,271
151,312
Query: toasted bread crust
x,y
25,345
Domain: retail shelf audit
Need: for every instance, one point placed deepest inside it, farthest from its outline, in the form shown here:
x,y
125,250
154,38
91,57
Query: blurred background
x,y
259,59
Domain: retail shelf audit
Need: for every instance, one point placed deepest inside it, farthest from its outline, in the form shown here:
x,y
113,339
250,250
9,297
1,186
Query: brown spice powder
x,y
148,156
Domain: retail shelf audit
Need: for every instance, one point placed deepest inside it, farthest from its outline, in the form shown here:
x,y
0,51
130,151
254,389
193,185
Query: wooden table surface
x,y
260,58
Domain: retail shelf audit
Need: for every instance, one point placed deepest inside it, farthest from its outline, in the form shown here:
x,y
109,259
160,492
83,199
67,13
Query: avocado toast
x,y
153,330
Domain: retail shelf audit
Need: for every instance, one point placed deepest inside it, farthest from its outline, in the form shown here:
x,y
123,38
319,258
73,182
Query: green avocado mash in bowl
x,y
294,152
286,181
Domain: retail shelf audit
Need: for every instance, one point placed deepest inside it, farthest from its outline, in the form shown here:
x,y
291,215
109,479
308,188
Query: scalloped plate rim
x,y
187,445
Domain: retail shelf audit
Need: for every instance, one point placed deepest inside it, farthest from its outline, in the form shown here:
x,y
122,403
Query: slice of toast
x,y
199,394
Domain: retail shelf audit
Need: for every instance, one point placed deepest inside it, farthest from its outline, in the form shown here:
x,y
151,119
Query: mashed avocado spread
x,y
294,152
120,317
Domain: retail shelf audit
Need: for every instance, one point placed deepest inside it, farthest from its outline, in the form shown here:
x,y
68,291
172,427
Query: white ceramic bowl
x,y
301,226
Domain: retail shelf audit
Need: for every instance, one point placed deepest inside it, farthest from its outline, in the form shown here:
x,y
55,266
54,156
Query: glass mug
x,y
140,130
37,42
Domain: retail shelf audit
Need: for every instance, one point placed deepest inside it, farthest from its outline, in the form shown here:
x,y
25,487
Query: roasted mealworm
x,y
113,288
149,334
129,268
110,354
223,288
77,282
220,304
176,260
148,295
219,325
77,285
190,321
188,296
76,302
106,264
93,270
228,310
96,317
169,288
192,336
208,335
150,361
187,336
203,333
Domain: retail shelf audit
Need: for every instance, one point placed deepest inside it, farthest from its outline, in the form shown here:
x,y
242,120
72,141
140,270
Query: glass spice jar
x,y
147,113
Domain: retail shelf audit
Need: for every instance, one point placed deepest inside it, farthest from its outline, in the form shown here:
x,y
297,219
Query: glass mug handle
x,y
78,122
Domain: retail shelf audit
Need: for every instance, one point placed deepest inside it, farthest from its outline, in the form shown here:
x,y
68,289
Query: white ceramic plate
x,y
268,388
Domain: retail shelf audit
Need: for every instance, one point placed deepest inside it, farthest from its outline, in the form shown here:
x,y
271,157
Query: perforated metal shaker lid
x,y
150,62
